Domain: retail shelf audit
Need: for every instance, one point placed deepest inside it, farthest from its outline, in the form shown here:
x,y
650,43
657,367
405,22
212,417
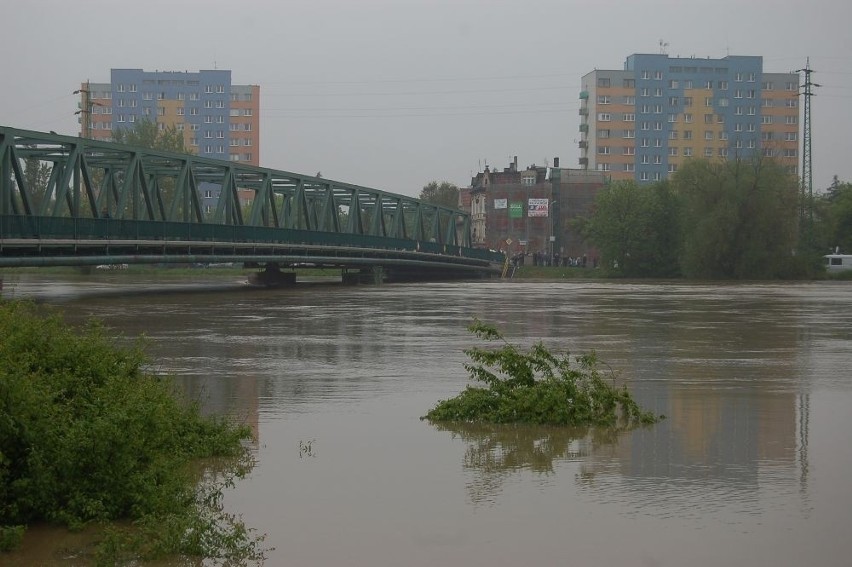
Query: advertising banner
x,y
516,210
537,207
501,203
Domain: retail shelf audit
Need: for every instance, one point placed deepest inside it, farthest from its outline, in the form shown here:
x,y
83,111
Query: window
x,y
658,75
792,103
147,96
658,160
720,119
220,150
220,104
751,144
193,96
751,77
193,112
708,152
708,102
791,120
791,136
220,88
120,88
181,96
672,101
738,93
766,136
738,127
603,150
121,118
644,92
628,151
209,90
658,109
630,99
672,118
208,120
646,74
603,133
235,112
687,134
687,118
708,119
643,176
629,167
723,135
603,82
645,143
604,167
673,151
687,101
672,167
629,83
673,84
646,160
656,176
220,134
220,119
723,85
738,144
247,112
723,102
235,142
723,152
646,109
790,152
208,194
208,134
208,104
738,77
658,92
603,99
752,111
708,84
790,86
750,93
629,117
687,84
738,110
208,149
132,118
629,134
673,135
766,119
161,111
687,152
708,134
768,85
604,117
766,102
658,143
658,126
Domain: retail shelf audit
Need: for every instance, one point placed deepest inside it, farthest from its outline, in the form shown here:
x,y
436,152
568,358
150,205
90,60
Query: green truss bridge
x,y
68,201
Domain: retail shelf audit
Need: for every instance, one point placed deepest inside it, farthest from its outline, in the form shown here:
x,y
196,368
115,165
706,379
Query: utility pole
x,y
806,211
85,112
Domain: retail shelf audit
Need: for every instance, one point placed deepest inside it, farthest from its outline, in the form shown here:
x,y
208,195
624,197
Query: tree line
x,y
737,219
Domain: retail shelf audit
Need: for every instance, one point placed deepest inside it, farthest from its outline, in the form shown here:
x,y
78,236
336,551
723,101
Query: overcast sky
x,y
392,94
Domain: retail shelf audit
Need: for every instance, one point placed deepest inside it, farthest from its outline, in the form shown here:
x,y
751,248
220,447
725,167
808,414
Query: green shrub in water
x,y
537,387
87,436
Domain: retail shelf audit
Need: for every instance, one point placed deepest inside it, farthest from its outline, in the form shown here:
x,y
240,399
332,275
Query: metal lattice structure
x,y
67,188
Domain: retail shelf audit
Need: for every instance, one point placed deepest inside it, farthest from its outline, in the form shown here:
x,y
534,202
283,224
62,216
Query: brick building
x,y
531,210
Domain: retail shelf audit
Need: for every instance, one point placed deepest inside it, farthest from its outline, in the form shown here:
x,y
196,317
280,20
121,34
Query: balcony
x,y
584,128
584,144
584,112
584,95
584,161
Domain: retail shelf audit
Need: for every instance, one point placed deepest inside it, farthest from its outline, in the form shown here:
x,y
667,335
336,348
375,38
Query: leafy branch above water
x,y
538,387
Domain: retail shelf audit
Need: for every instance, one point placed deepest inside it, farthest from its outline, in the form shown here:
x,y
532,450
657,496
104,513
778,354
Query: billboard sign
x,y
537,207
501,203
516,210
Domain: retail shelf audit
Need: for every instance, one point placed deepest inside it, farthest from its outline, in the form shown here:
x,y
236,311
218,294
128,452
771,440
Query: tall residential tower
x,y
643,122
218,119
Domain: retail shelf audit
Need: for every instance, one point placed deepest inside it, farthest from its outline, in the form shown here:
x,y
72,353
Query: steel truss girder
x,y
102,180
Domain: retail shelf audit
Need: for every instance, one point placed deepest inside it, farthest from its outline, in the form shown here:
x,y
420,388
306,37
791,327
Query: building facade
x,y
530,211
218,119
645,121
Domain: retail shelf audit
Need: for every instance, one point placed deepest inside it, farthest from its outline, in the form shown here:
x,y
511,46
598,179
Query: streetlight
x,y
552,213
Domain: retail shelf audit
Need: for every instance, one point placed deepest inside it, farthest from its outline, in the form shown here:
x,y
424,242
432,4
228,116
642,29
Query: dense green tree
x,y
834,215
635,229
444,194
740,219
37,178
148,134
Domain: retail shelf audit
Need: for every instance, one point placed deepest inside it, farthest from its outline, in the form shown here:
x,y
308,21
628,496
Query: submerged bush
x,y
86,436
537,387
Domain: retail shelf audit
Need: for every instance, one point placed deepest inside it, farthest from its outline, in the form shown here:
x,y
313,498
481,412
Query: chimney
x,y
515,164
556,162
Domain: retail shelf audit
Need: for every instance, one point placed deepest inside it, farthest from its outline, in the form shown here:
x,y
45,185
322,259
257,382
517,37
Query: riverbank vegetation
x,y
736,219
538,387
88,438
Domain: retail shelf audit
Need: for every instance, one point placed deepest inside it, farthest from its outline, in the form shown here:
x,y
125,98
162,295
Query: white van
x,y
838,262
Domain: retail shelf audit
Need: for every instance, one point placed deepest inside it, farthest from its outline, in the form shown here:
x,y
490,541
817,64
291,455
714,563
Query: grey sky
x,y
394,93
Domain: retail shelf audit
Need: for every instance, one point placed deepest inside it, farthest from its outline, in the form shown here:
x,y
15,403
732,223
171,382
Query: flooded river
x,y
751,467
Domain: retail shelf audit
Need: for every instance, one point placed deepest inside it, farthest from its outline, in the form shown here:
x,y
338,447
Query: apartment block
x,y
218,119
645,121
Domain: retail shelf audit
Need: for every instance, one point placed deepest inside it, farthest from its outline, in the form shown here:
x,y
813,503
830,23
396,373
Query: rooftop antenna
x,y
663,46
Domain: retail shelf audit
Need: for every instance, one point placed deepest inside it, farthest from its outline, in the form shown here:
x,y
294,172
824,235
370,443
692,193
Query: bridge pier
x,y
374,275
272,276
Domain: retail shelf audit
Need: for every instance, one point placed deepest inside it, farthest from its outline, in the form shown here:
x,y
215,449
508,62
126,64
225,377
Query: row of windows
x,y
688,116
148,95
690,83
708,151
131,88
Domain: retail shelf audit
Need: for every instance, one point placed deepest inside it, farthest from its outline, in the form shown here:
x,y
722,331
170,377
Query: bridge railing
x,y
122,230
